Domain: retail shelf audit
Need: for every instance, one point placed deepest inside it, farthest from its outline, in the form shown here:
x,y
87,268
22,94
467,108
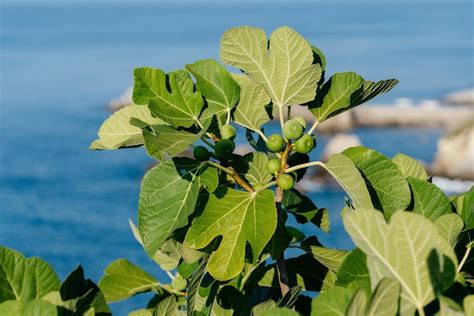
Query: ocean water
x,y
62,62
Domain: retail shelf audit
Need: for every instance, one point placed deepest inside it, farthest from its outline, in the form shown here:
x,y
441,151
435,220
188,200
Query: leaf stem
x,y
231,172
304,165
280,114
268,185
466,255
313,127
227,121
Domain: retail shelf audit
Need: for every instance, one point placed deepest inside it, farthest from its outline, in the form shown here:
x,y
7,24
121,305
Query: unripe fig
x,y
292,129
304,144
285,182
201,153
228,132
224,148
273,165
275,143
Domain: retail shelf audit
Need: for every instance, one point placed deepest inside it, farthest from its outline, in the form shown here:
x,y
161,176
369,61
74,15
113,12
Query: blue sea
x,y
62,62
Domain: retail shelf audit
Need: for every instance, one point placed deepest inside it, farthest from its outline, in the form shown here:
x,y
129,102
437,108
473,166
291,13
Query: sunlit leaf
x,y
354,272
398,250
387,185
178,105
330,258
24,278
284,67
410,167
123,279
168,196
216,85
450,226
117,132
429,200
240,218
333,302
349,177
250,112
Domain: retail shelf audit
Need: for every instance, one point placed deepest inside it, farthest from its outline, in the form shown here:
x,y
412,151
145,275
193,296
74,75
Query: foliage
x,y
217,223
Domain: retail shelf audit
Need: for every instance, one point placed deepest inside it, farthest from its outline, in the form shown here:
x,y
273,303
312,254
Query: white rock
x,y
455,155
339,143
462,97
123,100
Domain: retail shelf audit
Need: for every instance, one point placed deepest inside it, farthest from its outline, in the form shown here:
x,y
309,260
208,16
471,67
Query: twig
x,y
231,172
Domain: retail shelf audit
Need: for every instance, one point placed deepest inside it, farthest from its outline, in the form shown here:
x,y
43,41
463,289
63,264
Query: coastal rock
x,y
123,100
338,143
462,97
455,155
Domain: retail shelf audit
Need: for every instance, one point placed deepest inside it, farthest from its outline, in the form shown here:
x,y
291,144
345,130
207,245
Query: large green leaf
x,y
335,95
253,167
24,278
357,304
250,112
398,250
180,105
117,132
344,91
168,196
429,200
162,141
354,272
216,85
304,210
349,177
384,300
278,311
240,218
387,185
168,307
34,307
330,258
450,226
332,302
468,304
284,67
410,167
123,279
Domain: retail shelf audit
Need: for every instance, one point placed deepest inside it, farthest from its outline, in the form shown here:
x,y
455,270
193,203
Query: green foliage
x,y
217,223
29,286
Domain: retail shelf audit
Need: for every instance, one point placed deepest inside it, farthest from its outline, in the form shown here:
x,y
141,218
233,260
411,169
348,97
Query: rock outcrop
x,y
455,155
462,97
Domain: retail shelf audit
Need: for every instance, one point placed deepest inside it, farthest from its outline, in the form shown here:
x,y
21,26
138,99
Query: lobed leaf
x,y
450,226
333,302
164,142
24,278
344,91
117,132
253,167
179,105
217,86
284,67
387,185
123,279
28,308
251,110
428,199
353,271
345,172
410,167
330,258
239,218
398,250
465,207
168,195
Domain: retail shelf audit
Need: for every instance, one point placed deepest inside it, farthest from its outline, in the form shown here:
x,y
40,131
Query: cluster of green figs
x,y
293,138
